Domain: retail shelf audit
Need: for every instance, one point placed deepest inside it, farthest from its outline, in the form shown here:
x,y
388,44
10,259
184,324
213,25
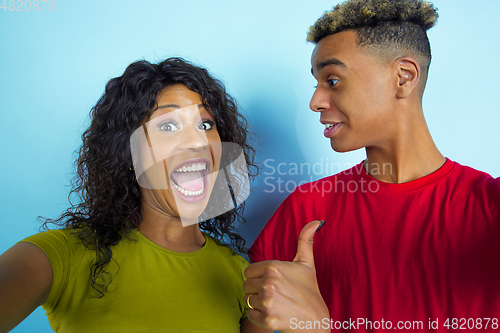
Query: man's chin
x,y
342,148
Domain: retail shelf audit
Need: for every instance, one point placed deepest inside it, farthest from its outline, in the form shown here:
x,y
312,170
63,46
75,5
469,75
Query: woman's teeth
x,y
193,167
327,126
187,179
189,193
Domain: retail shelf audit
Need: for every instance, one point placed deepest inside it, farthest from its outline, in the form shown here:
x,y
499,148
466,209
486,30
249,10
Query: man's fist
x,y
281,290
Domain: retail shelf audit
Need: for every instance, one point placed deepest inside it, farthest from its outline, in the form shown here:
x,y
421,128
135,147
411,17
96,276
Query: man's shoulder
x,y
476,183
473,176
307,202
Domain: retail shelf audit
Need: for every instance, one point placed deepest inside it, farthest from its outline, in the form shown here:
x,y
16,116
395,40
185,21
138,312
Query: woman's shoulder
x,y
62,246
221,250
65,252
55,238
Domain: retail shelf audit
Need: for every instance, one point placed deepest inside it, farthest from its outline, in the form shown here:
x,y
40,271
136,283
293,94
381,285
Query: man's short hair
x,y
390,28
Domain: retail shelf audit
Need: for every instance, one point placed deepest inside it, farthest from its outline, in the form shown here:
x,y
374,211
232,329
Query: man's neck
x,y
410,156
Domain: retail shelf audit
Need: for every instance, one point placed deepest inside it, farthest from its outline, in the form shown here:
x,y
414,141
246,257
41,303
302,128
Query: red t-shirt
x,y
421,251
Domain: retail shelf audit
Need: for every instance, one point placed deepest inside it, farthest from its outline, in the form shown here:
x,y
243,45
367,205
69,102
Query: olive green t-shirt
x,y
153,289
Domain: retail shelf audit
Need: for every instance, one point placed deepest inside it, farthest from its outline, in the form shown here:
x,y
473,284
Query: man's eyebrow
x,y
327,62
175,106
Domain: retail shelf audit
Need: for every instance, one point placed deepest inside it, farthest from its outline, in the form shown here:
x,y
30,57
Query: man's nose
x,y
320,101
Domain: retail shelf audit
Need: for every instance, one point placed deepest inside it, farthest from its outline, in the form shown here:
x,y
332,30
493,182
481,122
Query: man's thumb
x,y
305,243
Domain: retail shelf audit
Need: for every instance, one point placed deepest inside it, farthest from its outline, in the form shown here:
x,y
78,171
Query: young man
x,y
411,239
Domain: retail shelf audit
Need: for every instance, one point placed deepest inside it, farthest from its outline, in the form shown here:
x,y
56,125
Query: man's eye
x,y
169,127
206,125
332,82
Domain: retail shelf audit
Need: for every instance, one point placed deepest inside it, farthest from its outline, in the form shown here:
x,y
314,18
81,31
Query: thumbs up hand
x,y
282,294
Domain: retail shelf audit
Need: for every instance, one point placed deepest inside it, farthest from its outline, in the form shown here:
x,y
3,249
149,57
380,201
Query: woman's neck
x,y
167,230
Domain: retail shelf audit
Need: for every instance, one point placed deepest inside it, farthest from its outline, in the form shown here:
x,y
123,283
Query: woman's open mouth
x,y
190,179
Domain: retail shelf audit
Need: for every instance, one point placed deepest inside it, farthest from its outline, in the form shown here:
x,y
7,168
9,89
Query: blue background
x,y
54,65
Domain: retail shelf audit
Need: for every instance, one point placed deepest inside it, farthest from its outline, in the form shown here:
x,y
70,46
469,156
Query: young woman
x,y
132,255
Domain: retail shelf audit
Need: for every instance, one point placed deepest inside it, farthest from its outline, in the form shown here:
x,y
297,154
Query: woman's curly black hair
x,y
109,202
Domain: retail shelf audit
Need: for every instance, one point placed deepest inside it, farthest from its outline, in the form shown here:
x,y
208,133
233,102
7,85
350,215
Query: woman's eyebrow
x,y
175,106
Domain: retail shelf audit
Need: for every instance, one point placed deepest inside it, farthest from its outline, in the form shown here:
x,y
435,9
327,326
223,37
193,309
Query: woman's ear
x,y
408,72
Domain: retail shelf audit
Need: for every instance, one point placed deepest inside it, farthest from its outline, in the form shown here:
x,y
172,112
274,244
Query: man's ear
x,y
408,72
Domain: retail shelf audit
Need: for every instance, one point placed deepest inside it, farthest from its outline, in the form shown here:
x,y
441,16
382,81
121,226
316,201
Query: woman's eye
x,y
332,82
206,125
169,127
